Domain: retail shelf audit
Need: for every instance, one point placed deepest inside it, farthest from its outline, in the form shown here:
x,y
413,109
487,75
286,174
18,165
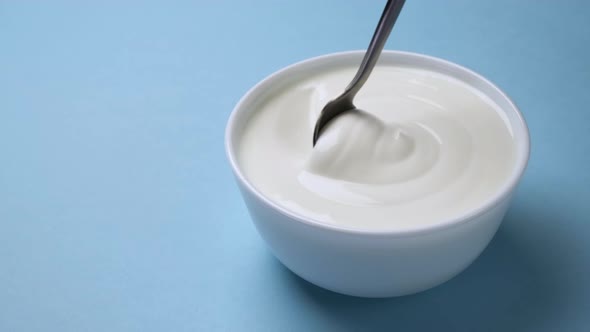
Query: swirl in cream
x,y
426,147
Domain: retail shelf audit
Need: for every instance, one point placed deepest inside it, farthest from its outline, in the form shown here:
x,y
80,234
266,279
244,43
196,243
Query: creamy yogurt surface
x,y
425,148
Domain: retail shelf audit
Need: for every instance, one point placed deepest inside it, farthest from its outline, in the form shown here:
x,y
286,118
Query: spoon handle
x,y
386,22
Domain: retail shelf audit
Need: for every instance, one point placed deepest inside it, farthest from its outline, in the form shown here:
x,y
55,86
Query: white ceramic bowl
x,y
364,262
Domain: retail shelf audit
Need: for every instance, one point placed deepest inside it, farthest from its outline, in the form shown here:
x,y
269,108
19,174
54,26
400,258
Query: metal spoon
x,y
344,102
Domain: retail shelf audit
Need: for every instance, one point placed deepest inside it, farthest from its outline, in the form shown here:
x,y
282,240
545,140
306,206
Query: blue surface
x,y
118,210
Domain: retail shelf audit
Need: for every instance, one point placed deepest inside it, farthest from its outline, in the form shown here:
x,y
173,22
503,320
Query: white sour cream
x,y
426,148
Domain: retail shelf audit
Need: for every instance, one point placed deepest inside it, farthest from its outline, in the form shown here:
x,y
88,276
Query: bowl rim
x,y
505,190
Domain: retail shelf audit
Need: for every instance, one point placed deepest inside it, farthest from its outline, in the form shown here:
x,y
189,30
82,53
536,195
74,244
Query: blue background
x,y
118,210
